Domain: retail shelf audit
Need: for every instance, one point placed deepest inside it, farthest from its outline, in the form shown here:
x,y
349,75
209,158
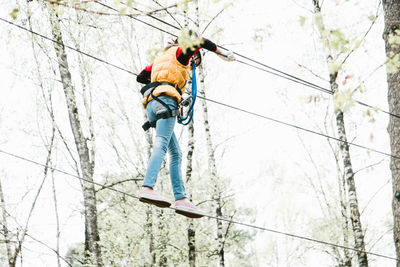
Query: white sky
x,y
260,150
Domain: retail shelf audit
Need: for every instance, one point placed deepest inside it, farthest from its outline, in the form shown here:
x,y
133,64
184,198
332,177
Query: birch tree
x,y
391,37
86,155
359,242
191,230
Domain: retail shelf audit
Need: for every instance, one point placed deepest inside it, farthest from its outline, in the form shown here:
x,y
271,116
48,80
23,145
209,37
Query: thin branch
x,y
366,33
169,14
47,246
25,230
119,182
205,28
312,72
161,9
374,195
55,2
78,7
369,166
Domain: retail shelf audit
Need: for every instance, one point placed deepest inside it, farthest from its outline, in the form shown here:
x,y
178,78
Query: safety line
x,y
209,216
299,128
148,24
289,76
151,16
219,103
293,78
70,47
206,215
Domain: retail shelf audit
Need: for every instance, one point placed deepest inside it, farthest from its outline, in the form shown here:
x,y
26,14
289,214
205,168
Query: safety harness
x,y
148,89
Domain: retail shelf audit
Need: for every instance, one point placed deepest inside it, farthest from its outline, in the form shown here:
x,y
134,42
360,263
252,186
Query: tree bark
x,y
92,249
189,165
391,10
359,243
213,172
5,227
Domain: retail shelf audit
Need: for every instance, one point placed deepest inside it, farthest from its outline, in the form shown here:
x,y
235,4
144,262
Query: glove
x,y
226,55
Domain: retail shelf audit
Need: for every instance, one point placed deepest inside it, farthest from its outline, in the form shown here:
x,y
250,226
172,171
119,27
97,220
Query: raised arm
x,y
184,58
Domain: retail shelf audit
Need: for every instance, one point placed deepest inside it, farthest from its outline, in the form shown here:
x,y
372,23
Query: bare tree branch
x,y
366,33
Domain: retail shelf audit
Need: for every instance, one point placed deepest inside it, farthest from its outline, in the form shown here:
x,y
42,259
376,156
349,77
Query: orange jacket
x,y
166,68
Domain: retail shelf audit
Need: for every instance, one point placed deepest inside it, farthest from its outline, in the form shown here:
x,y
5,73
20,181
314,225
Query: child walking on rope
x,y
166,80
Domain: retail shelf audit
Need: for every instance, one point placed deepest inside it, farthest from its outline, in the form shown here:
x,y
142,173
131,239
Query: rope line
x,y
206,215
289,78
148,24
214,101
70,47
300,128
283,75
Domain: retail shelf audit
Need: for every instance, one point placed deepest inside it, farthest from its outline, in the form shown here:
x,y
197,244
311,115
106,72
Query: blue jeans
x,y
165,139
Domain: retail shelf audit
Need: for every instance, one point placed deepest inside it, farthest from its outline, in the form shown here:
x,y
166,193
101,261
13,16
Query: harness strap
x,y
149,88
163,115
147,91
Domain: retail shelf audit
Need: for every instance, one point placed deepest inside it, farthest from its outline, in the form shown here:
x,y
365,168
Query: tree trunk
x,y
189,165
213,171
189,168
5,227
359,243
392,26
92,249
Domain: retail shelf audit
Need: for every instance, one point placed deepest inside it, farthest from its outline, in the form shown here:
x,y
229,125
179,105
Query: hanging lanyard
x,y
185,120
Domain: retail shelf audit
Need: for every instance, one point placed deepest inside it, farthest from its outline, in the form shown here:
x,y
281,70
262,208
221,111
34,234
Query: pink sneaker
x,y
185,207
148,195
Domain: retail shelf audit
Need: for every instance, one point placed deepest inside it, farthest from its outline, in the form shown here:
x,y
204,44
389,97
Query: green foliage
x,y
122,11
343,100
183,5
75,255
14,13
228,4
302,20
334,39
184,2
338,41
334,66
188,41
58,9
393,62
259,35
394,39
129,3
370,113
372,17
319,22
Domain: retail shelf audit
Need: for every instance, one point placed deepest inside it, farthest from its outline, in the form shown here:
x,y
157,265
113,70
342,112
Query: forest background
x,y
246,168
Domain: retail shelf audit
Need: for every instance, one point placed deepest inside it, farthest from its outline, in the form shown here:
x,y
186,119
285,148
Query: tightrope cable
x,y
217,102
299,128
277,72
206,215
148,24
70,47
